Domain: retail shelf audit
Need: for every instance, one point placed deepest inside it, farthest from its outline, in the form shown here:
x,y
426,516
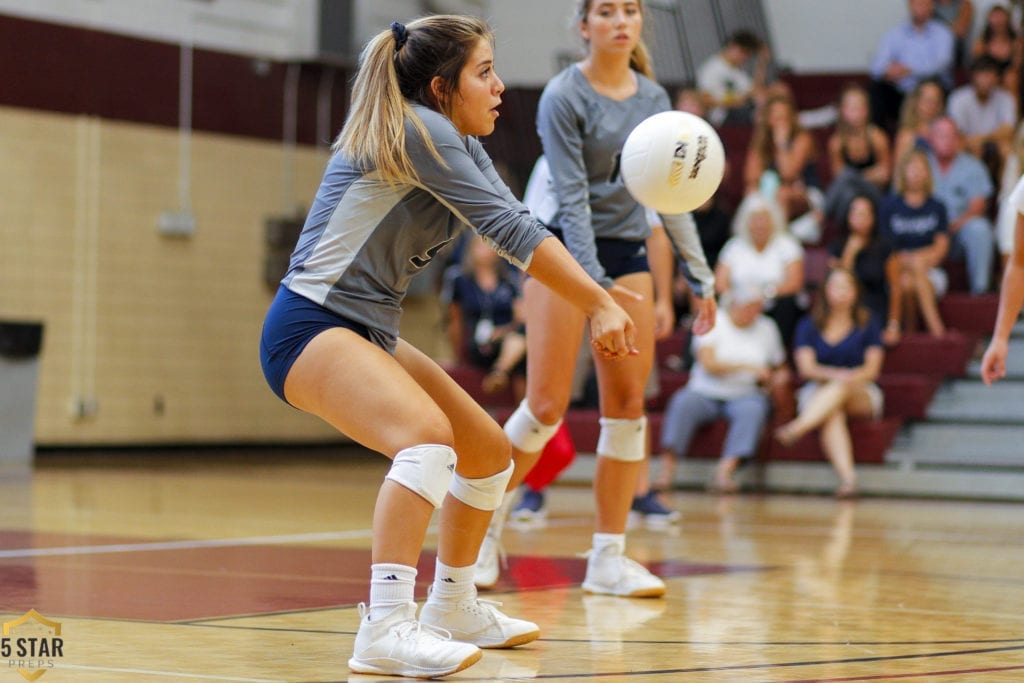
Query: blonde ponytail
x,y
641,61
373,136
392,76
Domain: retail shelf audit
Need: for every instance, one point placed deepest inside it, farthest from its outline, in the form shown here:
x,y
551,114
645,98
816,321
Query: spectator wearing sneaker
x,y
407,175
739,364
963,185
584,116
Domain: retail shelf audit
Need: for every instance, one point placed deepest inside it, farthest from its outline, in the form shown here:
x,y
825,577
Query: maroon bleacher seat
x,y
908,395
945,356
815,267
735,141
668,382
470,379
969,313
670,351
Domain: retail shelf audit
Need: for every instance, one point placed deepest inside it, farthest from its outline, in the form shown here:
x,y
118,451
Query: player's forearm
x,y
1011,300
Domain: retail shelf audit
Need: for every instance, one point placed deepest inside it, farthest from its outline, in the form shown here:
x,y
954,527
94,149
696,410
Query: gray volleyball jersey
x,y
364,240
582,133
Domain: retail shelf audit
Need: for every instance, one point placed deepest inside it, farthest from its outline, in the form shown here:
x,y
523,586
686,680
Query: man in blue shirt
x,y
962,184
910,52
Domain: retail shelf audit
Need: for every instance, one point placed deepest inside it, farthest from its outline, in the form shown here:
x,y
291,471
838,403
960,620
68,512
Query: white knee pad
x,y
484,493
526,432
426,470
623,439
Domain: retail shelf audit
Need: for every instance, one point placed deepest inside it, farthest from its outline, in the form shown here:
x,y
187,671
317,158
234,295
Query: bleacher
x,y
914,373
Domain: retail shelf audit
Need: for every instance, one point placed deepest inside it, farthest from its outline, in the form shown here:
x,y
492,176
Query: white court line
x,y
168,674
185,545
16,553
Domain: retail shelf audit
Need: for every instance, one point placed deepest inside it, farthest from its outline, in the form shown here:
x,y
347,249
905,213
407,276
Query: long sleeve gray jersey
x,y
582,133
364,240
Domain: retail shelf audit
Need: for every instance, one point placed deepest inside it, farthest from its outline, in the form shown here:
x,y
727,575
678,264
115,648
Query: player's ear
x,y
437,89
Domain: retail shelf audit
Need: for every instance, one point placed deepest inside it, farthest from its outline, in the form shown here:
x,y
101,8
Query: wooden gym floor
x,y
248,566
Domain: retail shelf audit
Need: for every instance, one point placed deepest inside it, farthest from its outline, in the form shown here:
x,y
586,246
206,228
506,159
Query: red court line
x,y
888,677
228,581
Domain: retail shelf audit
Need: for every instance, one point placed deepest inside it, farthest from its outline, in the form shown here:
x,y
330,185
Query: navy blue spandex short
x,y
292,321
618,257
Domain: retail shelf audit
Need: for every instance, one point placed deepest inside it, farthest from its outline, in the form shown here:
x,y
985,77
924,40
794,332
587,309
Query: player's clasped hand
x,y
613,333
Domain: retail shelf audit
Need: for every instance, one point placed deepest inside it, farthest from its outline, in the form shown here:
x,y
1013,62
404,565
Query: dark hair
x,y
988,33
821,309
762,141
746,39
436,48
985,63
874,212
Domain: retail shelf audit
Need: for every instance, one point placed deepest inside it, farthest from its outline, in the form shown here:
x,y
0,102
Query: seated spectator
x,y
484,324
1006,220
838,353
915,224
959,16
762,256
926,103
857,143
859,154
730,92
810,119
781,164
962,184
986,115
864,252
1000,41
918,48
740,363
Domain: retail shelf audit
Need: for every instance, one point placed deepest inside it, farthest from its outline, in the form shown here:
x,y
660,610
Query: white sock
x,y
453,583
391,585
602,541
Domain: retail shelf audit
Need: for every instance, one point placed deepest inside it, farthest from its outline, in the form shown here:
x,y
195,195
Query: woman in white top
x,y
764,257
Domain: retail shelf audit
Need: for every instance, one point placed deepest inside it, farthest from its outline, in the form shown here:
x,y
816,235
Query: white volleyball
x,y
673,162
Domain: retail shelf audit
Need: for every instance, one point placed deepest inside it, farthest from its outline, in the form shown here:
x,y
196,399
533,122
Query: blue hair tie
x,y
401,34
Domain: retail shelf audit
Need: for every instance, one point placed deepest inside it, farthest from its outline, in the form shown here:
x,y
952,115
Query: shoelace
x,y
634,567
488,607
628,565
410,629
